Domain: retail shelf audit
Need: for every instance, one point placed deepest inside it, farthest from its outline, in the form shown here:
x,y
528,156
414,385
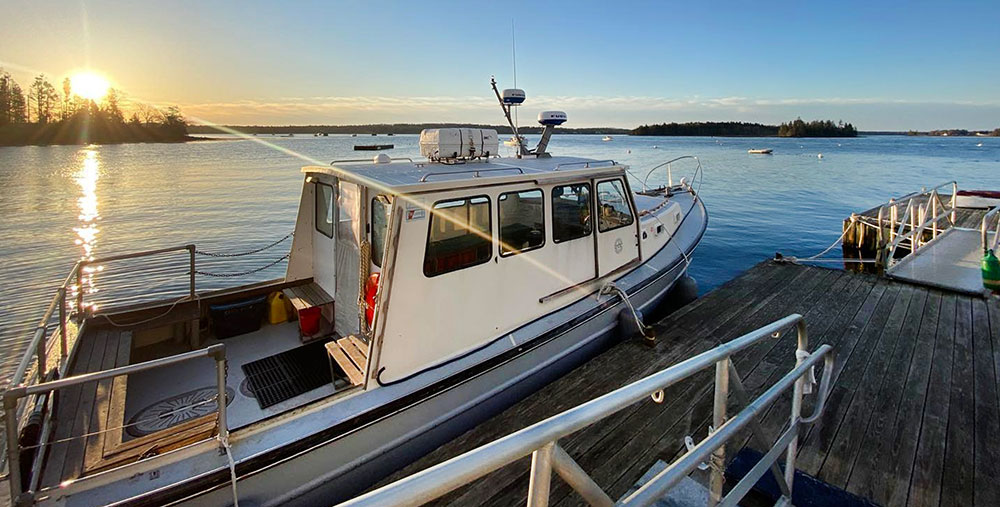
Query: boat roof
x,y
407,176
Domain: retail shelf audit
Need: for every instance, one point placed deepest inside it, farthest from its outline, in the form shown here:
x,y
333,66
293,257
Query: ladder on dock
x,y
541,440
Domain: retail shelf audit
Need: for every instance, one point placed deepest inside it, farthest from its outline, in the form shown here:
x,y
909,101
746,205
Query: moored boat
x,y
760,151
422,296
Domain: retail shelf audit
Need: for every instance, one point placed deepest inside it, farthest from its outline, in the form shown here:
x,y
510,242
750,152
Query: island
x,y
795,128
42,116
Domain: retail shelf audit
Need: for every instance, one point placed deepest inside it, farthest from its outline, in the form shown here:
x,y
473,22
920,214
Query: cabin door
x,y
617,233
350,227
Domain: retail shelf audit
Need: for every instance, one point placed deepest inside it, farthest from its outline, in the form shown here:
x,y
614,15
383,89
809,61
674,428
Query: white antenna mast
x,y
513,60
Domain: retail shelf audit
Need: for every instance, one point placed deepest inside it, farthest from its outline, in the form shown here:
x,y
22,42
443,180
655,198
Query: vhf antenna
x,y
513,60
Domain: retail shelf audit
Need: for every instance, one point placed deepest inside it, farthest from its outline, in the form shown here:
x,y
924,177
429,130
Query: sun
x,y
89,85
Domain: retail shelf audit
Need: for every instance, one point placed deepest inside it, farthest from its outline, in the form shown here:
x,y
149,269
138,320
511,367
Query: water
x,y
63,203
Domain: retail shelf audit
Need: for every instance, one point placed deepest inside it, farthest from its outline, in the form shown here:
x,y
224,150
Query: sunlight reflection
x,y
87,230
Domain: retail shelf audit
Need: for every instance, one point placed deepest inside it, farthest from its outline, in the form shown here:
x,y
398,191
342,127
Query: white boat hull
x,y
332,468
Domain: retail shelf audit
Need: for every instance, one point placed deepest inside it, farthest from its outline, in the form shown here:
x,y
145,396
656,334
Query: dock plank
x,y
987,446
912,418
957,486
925,483
868,475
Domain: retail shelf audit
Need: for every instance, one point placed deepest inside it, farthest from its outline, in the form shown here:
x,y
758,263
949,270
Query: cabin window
x,y
380,227
522,221
614,208
571,212
459,235
324,209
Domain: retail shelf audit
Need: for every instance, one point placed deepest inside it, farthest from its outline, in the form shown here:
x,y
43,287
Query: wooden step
x,y
351,355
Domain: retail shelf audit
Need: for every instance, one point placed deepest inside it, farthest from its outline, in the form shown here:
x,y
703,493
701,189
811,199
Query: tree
x,y
111,108
45,97
18,105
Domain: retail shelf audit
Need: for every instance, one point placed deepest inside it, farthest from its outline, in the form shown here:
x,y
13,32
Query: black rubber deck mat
x,y
286,375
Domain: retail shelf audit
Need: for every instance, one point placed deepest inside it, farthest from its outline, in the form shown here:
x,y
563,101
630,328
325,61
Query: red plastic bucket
x,y
309,320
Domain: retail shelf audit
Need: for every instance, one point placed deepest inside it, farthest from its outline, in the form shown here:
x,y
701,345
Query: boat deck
x,y
153,411
912,418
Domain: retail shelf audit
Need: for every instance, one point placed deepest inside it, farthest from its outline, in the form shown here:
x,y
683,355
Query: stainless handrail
x,y
14,394
540,440
38,346
670,178
918,218
476,172
584,163
984,230
350,160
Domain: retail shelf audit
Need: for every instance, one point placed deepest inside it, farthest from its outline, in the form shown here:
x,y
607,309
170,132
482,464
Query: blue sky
x,y
879,65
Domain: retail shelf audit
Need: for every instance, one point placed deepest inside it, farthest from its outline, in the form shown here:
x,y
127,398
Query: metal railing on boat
x,y
541,440
29,378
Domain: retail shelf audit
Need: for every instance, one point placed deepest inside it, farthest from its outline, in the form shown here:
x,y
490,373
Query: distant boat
x,y
760,151
326,134
354,135
819,155
390,134
512,141
607,138
979,145
374,134
373,147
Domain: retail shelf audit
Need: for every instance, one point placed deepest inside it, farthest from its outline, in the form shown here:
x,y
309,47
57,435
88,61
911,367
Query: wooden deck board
x,y
913,417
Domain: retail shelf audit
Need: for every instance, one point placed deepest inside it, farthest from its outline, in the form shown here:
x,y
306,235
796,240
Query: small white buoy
x,y
820,155
628,151
382,158
980,145
655,147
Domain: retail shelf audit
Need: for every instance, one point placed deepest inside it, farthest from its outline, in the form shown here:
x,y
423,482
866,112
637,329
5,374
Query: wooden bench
x,y
308,296
351,355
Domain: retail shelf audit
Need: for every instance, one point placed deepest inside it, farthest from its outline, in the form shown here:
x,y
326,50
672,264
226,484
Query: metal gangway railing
x,y
541,440
907,221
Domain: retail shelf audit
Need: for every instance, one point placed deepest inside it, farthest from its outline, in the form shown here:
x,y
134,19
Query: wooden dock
x,y
912,418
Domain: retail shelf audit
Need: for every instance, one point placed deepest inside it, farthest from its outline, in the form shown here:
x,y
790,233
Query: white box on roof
x,y
458,143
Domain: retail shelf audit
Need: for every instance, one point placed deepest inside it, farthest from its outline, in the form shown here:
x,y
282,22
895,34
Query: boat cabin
x,y
428,261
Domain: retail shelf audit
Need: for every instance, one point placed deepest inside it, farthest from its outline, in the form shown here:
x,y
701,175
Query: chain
x,y
243,273
248,252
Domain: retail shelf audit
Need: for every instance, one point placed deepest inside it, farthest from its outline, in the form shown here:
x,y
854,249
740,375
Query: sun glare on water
x,y
89,85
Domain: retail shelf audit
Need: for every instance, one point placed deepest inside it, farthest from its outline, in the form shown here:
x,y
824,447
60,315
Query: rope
x,y
816,258
151,319
244,273
232,469
248,252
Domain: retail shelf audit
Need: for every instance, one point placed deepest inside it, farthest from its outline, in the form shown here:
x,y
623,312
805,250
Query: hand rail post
x,y
541,476
10,397
893,215
954,200
40,351
934,214
191,289
79,292
718,459
793,446
218,352
63,345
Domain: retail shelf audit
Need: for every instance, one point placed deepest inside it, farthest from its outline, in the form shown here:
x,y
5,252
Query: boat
x,y
512,141
373,147
419,298
354,135
760,151
607,138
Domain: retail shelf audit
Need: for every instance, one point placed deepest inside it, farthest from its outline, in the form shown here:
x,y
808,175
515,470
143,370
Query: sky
x,y
878,65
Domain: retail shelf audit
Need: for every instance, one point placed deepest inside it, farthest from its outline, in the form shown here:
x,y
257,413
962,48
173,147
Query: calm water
x,y
62,203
